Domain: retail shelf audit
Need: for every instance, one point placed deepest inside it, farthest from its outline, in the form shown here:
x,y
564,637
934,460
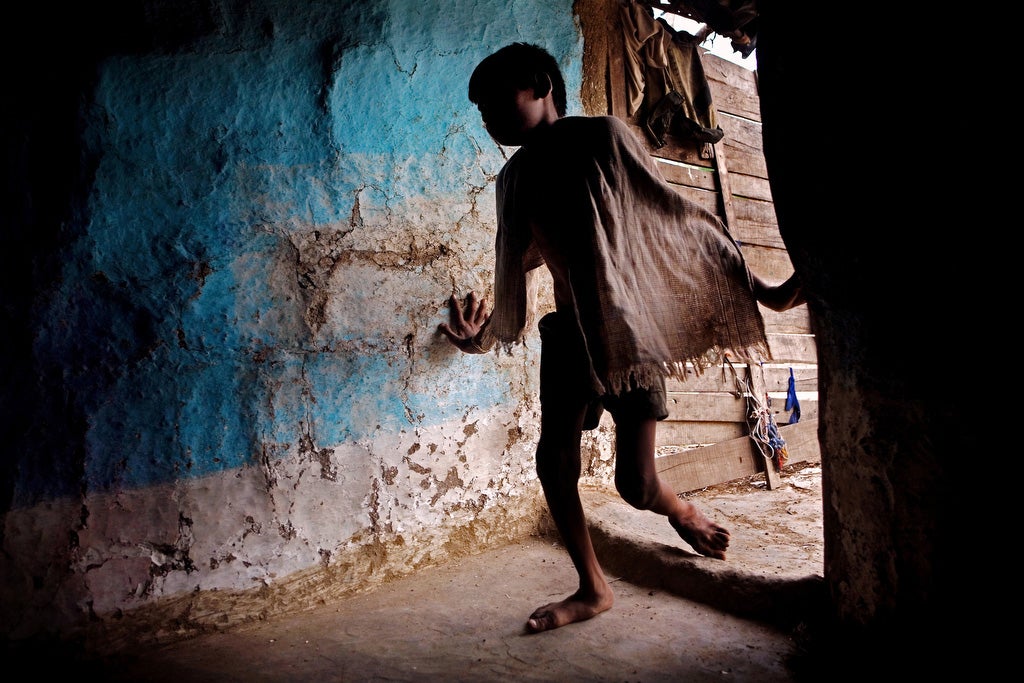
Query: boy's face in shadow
x,y
510,113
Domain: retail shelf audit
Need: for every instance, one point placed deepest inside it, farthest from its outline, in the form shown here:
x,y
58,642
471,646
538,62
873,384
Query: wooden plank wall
x,y
706,439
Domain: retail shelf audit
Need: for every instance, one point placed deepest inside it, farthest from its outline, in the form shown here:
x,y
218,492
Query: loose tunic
x,y
653,280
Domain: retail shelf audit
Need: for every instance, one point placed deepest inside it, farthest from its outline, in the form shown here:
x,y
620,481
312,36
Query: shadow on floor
x,y
677,616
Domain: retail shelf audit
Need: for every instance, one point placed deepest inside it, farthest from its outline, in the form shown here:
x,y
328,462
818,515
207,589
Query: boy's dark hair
x,y
519,65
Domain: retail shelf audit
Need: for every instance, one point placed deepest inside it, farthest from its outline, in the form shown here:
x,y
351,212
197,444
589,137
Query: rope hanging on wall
x,y
760,421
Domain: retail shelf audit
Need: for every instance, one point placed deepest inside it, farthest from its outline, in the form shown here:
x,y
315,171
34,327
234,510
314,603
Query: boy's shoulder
x,y
592,124
596,130
595,136
571,139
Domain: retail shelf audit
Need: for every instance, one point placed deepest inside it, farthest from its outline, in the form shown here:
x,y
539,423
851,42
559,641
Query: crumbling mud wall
x,y
242,223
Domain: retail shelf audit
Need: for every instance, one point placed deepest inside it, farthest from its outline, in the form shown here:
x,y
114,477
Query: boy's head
x,y
518,66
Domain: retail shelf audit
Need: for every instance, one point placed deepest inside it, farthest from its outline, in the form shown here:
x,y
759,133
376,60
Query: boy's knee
x,y
639,493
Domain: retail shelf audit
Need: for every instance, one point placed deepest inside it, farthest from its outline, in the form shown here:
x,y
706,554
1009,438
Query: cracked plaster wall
x,y
239,395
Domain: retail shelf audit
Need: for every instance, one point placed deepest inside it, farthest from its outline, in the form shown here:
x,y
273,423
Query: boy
x,y
644,282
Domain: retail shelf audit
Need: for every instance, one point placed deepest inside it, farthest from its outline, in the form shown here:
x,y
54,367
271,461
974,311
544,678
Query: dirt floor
x,y
678,616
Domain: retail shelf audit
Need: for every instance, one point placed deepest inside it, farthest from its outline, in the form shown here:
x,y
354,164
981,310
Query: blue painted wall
x,y
239,224
282,119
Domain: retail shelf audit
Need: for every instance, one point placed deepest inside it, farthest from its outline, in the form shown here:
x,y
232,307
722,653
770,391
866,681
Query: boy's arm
x,y
779,297
465,327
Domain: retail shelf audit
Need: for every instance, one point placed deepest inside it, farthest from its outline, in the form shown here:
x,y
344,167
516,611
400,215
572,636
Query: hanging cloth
x,y
792,402
665,82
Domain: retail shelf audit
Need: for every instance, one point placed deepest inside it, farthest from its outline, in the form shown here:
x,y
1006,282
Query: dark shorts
x,y
567,378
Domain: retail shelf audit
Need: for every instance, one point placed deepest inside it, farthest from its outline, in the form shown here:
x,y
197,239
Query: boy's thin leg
x,y
637,480
558,466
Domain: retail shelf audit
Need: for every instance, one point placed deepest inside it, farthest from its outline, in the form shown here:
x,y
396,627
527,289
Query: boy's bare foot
x,y
706,537
574,608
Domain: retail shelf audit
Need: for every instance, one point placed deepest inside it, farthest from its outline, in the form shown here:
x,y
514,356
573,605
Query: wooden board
x,y
775,377
805,377
690,433
706,407
751,187
793,348
697,468
733,88
688,175
794,321
773,265
617,75
802,443
708,200
709,408
694,469
808,407
742,134
743,144
756,223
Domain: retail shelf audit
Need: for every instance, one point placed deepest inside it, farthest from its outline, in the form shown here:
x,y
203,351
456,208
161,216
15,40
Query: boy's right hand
x,y
465,325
